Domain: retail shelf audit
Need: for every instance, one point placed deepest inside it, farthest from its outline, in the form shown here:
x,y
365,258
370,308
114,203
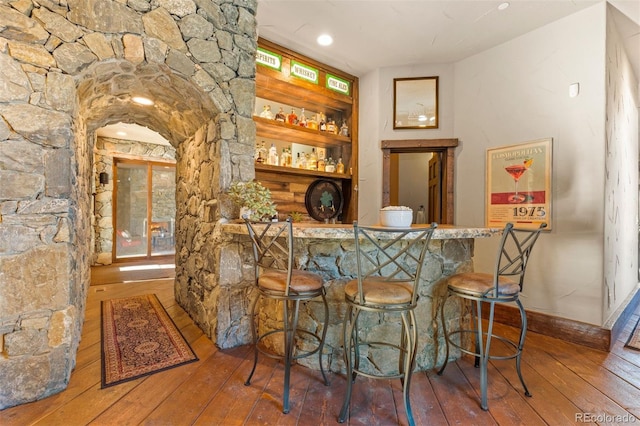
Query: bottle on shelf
x,y
292,118
331,126
312,161
312,123
285,158
266,112
301,162
321,165
302,120
272,159
330,166
281,116
322,123
344,129
261,153
340,166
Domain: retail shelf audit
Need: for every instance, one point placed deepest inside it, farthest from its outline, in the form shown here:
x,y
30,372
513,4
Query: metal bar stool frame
x,y
395,259
503,286
273,252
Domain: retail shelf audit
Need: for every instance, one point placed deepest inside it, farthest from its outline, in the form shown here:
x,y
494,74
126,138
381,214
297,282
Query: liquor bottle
x,y
280,116
302,120
322,123
321,165
262,154
273,156
283,158
331,126
340,166
330,166
301,162
344,129
266,112
292,118
312,123
312,162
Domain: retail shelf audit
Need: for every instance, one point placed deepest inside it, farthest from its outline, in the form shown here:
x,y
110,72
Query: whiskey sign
x,y
304,71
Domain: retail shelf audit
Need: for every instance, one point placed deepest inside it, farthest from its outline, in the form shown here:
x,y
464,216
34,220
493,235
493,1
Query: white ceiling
x,y
376,34
132,132
372,34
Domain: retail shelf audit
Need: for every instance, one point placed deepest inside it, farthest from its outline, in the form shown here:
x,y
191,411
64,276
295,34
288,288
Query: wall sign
x,y
337,84
269,59
304,71
518,185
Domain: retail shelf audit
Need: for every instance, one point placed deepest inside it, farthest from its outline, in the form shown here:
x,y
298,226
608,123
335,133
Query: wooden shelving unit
x,y
288,185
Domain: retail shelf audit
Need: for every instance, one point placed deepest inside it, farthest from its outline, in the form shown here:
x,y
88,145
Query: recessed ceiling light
x,y
142,100
503,6
121,133
325,40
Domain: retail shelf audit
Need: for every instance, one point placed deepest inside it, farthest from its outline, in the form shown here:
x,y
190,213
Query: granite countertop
x,y
345,231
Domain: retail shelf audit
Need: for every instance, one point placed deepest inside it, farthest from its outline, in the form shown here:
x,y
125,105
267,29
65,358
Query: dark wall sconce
x,y
104,178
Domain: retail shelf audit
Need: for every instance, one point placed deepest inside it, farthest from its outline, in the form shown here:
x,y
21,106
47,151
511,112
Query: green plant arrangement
x,y
253,197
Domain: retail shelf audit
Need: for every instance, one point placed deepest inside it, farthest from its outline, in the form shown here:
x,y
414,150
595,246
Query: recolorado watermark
x,y
605,418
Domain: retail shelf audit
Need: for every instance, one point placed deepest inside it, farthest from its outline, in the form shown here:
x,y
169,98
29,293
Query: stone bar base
x,y
330,251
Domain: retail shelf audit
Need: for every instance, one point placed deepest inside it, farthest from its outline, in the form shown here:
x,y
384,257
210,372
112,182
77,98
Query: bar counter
x,y
328,249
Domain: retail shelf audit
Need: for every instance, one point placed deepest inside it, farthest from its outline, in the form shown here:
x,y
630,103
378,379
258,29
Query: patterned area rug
x,y
139,338
634,338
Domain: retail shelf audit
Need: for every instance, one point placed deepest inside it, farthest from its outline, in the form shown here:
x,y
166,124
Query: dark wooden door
x,y
435,188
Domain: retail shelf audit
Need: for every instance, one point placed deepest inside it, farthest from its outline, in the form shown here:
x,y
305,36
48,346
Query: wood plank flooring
x,y
570,384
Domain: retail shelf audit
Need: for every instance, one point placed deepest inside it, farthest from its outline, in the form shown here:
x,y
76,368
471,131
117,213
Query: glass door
x,y
144,209
163,209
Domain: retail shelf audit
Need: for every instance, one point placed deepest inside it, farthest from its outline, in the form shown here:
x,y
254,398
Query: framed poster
x,y
518,185
415,103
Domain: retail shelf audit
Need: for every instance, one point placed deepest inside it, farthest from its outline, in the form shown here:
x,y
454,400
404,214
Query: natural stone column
x,y
67,69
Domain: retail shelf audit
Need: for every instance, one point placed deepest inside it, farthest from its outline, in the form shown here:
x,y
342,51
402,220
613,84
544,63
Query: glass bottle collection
x,y
319,122
307,161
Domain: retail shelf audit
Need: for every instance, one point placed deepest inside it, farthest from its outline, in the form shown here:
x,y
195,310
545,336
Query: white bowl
x,y
396,218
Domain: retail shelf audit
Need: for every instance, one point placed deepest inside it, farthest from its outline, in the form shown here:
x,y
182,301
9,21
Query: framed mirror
x,y
415,103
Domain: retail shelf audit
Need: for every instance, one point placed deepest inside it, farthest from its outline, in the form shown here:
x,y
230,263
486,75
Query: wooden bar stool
x,y
277,279
503,286
389,263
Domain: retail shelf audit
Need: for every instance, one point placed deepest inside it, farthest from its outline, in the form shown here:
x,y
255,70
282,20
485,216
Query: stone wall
x,y
105,151
67,68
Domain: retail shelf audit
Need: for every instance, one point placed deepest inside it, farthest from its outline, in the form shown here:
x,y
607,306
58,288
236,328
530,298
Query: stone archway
x,y
66,70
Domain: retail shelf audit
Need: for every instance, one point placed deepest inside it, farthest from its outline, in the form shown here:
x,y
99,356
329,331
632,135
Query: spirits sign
x,y
304,71
269,59
519,185
337,84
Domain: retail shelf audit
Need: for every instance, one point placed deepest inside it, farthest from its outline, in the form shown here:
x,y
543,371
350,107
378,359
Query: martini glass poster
x,y
519,184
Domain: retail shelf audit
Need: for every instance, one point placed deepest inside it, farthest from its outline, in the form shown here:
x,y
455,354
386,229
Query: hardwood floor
x,y
570,384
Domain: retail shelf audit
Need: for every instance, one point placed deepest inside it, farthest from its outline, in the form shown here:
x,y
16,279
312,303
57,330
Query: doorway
x,y
444,155
410,184
144,209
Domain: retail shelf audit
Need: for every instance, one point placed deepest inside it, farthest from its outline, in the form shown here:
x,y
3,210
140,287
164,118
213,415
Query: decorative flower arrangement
x,y
254,198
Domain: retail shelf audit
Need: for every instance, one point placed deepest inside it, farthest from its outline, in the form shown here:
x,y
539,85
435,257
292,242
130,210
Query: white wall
x,y
513,93
376,125
518,92
621,184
